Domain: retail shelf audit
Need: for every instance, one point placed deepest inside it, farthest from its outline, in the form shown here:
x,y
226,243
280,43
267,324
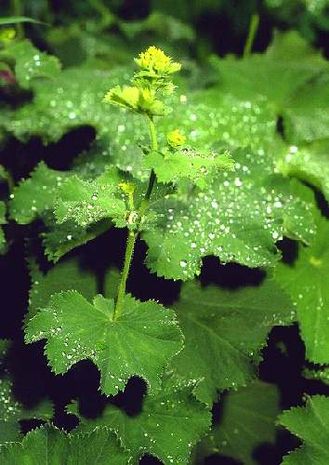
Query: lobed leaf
x,y
33,197
199,167
224,332
306,282
239,218
30,63
53,447
87,202
311,425
141,341
168,427
309,163
247,421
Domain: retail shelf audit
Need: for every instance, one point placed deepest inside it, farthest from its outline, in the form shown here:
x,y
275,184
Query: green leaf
x,y
311,425
212,119
30,63
306,283
239,218
18,19
141,341
309,163
248,418
199,167
87,202
272,74
168,427
53,447
224,332
34,196
321,374
65,276
307,116
59,239
73,98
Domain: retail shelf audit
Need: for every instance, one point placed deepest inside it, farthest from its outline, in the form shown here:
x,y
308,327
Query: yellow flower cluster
x,y
154,59
148,83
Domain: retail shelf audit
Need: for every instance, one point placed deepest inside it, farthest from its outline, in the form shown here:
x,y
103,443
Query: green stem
x,y
18,10
130,246
152,178
133,235
253,28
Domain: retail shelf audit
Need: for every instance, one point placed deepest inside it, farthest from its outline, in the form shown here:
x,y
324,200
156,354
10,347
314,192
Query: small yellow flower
x,y
156,61
7,34
127,187
176,139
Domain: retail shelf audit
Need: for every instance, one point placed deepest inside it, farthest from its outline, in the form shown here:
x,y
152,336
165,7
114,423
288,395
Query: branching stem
x,y
133,235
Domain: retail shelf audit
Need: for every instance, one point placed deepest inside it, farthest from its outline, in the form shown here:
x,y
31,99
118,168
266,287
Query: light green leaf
x,y
239,218
230,355
170,424
72,99
199,167
247,421
30,63
141,341
224,332
306,283
213,120
272,74
309,163
18,19
306,117
311,425
87,202
34,196
53,447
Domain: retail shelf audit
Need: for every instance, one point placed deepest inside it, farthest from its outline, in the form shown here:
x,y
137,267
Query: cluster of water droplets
x,y
34,196
9,407
165,414
239,218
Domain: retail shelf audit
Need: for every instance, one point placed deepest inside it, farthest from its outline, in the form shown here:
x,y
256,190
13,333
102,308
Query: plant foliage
x,y
188,160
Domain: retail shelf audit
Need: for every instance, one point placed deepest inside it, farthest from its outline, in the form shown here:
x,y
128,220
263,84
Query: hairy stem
x,y
132,235
253,28
130,246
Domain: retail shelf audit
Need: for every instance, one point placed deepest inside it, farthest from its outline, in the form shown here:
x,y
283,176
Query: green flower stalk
x,y
151,82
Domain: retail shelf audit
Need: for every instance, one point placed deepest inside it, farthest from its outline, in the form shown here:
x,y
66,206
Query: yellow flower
x,y
156,61
127,187
7,34
176,139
